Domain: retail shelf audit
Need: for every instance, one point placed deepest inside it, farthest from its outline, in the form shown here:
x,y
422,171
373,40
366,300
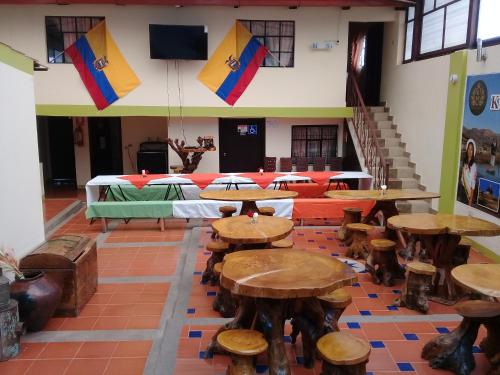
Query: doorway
x,y
105,143
365,44
242,144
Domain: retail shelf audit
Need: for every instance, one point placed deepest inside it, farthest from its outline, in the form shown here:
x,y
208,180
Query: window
x,y
314,141
278,37
410,23
488,26
64,31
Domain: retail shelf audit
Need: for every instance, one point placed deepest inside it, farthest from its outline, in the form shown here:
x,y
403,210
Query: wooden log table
x,y
269,283
441,234
453,350
240,230
248,197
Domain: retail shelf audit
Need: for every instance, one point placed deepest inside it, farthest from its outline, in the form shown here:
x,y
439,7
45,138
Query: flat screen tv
x,y
171,42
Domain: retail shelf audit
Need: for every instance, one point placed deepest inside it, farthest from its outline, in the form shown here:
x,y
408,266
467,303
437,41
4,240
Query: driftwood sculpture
x,y
189,163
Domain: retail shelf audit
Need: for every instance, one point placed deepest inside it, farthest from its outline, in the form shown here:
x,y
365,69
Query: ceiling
x,y
288,3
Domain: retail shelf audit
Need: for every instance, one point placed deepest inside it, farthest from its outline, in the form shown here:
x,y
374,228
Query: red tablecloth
x,y
202,180
319,177
327,208
263,180
312,190
139,181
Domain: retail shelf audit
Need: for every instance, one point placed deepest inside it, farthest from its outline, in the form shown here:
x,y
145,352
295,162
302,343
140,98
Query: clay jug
x,y
38,296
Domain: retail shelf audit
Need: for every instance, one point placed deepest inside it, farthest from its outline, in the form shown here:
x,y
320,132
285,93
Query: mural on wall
x,y
479,174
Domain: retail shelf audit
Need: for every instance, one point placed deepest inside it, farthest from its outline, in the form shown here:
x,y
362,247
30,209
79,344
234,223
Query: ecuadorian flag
x,y
233,65
102,67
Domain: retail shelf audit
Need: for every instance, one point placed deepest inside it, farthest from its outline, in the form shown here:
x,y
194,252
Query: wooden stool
x,y
177,168
224,303
418,285
226,211
351,215
382,263
359,246
282,244
243,344
453,350
218,249
334,304
266,211
343,353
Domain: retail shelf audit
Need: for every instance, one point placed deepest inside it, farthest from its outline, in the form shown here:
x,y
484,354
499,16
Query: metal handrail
x,y
366,132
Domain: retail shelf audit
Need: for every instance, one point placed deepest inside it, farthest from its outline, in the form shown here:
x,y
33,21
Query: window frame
x,y
279,36
486,42
76,32
320,140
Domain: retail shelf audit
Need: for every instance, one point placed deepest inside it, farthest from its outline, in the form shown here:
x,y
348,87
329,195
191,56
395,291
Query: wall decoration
x,y
479,173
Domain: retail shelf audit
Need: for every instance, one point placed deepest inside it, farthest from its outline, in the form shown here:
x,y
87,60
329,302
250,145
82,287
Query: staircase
x,y
401,170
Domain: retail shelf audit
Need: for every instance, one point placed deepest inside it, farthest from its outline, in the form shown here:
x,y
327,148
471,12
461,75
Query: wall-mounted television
x,y
171,42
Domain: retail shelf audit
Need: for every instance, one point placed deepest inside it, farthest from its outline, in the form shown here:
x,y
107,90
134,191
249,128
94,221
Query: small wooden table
x,y
248,197
269,285
240,230
441,234
453,350
383,202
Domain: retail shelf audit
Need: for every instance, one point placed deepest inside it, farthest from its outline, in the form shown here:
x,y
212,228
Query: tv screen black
x,y
178,42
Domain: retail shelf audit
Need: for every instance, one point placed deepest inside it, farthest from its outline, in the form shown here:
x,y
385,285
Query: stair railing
x,y
366,132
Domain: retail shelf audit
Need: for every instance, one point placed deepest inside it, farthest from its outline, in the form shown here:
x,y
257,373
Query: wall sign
x,y
479,173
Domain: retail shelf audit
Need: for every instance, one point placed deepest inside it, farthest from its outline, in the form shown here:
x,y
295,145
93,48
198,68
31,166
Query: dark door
x,y
242,144
105,140
365,58
61,150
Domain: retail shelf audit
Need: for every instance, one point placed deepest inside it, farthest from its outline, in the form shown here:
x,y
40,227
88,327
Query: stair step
x,y
377,109
386,133
402,183
393,151
401,172
388,142
384,124
398,161
418,206
380,116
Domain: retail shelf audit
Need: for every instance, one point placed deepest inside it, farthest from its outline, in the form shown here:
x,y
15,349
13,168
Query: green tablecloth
x,y
126,210
147,193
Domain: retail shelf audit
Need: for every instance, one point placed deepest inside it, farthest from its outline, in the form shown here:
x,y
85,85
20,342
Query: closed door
x,y
61,149
105,139
241,144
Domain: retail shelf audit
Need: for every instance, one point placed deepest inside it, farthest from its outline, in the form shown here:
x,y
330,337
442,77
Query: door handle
x,y
225,154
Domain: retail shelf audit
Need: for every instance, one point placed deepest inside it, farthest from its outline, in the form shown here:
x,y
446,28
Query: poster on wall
x,y
479,173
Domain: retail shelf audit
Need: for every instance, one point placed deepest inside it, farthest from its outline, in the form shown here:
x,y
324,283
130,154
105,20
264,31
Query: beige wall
x,y
21,216
317,80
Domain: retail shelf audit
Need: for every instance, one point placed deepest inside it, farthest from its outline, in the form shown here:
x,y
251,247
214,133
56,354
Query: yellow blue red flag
x,y
233,65
102,67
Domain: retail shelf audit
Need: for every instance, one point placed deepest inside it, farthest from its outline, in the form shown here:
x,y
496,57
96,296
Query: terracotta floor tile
x,y
118,322
423,368
60,350
96,350
94,366
31,350
382,331
15,367
125,366
130,349
416,327
49,366
405,351
78,324
143,322
381,360
188,348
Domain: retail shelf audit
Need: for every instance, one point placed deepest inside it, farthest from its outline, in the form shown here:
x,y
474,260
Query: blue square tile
x,y
365,312
194,334
442,330
211,294
197,273
377,344
410,336
396,291
476,349
287,339
356,285
334,254
260,369
405,366
370,373
205,355
300,360
372,295
207,253
191,310
353,325
392,308
204,282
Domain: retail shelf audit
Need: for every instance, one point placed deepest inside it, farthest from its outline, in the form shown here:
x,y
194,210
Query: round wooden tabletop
x,y
241,229
388,195
247,194
283,273
424,223
480,278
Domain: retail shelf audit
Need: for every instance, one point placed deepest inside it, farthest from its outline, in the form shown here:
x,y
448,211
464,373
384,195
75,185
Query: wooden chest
x,y
72,262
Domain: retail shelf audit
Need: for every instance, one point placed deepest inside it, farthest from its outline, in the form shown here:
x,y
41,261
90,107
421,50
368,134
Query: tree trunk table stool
x,y
359,246
244,345
226,211
267,211
343,354
218,249
224,303
418,286
282,244
453,350
351,215
382,263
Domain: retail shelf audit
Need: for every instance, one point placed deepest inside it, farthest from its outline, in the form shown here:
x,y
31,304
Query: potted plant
x,y
37,295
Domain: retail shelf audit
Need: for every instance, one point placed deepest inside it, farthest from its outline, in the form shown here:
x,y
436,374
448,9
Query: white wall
x,y
416,94
317,80
21,215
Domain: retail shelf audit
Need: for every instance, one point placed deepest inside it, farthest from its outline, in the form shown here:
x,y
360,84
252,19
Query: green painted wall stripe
x,y
117,110
485,251
452,131
15,59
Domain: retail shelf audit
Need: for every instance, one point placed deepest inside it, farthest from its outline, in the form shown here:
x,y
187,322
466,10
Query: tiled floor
x,y
150,283
52,207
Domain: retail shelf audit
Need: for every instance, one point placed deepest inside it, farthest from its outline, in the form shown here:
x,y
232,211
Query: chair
x,y
302,164
269,164
335,163
319,164
285,164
